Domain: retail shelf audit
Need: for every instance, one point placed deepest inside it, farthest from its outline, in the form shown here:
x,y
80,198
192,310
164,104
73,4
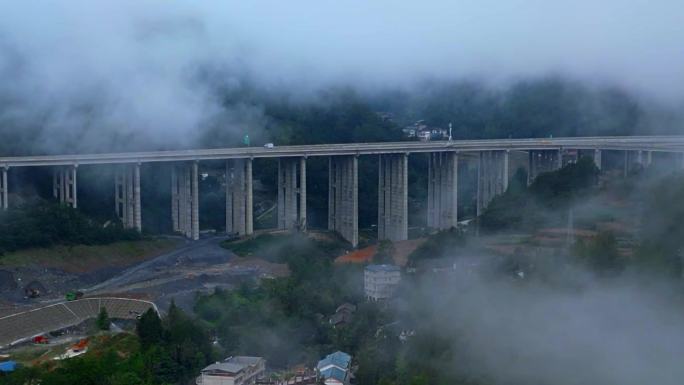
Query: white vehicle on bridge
x,y
269,145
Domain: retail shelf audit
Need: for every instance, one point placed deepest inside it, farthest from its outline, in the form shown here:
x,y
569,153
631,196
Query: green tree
x,y
102,321
149,329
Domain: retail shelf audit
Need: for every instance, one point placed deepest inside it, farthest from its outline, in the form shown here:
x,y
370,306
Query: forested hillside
x,y
540,107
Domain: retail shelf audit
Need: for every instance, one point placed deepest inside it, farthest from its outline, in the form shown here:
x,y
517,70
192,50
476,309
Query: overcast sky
x,y
140,60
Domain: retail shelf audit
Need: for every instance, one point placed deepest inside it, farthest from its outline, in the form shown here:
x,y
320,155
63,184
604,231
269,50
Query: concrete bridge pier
x,y
597,159
239,197
541,161
442,190
127,196
343,197
645,158
64,186
4,189
493,177
292,211
634,160
393,197
185,199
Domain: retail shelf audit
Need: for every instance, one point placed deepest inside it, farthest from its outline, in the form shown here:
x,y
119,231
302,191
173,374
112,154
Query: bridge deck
x,y
649,143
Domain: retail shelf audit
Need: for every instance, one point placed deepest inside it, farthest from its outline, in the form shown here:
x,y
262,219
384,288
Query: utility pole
x,y
450,137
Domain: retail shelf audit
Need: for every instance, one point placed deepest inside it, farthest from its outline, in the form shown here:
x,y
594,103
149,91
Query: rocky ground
x,y
177,275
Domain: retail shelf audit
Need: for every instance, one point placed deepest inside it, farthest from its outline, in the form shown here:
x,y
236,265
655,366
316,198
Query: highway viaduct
x,y
492,156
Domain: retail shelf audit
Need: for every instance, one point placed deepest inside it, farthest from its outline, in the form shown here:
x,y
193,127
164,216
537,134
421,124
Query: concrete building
x,y
239,370
334,369
381,281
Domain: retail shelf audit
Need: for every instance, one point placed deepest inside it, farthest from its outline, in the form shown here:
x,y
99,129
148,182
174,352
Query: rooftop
x,y
233,365
334,372
382,268
340,359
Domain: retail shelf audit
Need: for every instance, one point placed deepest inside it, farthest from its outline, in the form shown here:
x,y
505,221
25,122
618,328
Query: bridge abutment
x,y
393,197
343,192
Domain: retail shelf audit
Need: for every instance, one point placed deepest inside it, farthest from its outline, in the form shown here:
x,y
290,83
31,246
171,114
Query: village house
x,y
381,281
239,370
334,369
343,315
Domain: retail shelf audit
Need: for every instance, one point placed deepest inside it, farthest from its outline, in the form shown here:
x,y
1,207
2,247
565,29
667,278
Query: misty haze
x,y
338,193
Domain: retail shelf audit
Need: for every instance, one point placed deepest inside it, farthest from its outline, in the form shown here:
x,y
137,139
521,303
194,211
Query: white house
x,y
380,281
239,370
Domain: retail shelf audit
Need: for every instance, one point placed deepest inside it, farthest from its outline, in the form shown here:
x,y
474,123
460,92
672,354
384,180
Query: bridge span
x,y
492,155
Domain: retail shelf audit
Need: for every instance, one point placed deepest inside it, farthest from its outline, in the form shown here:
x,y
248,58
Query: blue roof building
x,y
8,366
334,368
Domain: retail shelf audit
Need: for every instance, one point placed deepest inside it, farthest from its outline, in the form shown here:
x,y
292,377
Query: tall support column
x,y
137,208
337,167
492,177
443,190
355,200
281,194
597,158
506,166
126,196
451,207
403,232
302,193
4,190
118,192
393,197
249,220
182,199
62,185
292,194
291,199
239,197
394,169
430,204
541,161
381,198
387,192
187,204
229,197
174,198
55,184
343,215
481,173
239,215
74,187
130,200
331,195
195,201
